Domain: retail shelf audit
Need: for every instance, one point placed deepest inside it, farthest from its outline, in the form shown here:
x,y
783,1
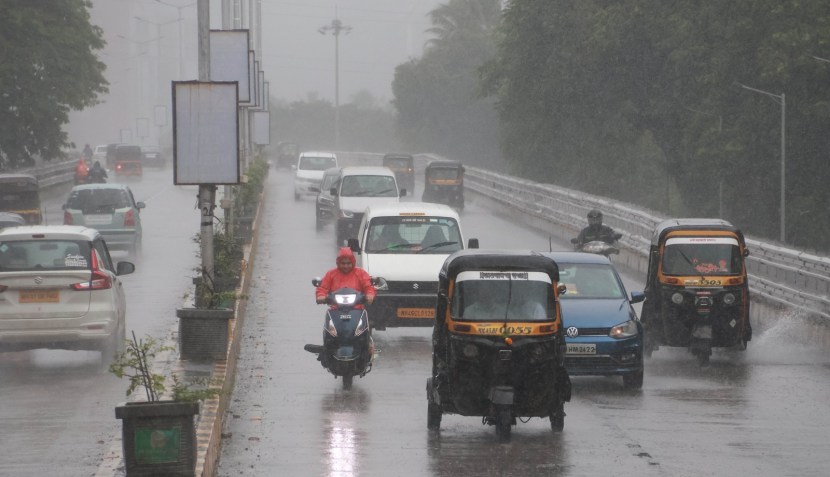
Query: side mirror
x,y
140,205
380,284
352,243
293,167
124,268
314,188
637,297
63,206
316,281
333,191
746,252
403,192
574,241
617,236
472,243
562,289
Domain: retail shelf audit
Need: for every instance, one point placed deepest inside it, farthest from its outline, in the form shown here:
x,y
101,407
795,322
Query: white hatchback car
x,y
309,171
59,289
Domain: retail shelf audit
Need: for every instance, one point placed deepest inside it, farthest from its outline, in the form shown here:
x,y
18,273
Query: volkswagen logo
x,y
38,280
415,286
572,332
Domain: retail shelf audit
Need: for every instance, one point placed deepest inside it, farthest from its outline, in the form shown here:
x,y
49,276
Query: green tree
x,y
48,67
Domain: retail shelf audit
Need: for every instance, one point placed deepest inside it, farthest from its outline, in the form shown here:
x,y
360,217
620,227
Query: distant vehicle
x,y
153,157
110,155
8,219
308,172
405,244
20,194
358,188
99,153
403,165
602,331
287,154
109,208
128,165
444,183
324,212
59,289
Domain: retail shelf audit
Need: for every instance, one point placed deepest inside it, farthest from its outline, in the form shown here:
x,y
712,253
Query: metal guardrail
x,y
789,277
52,173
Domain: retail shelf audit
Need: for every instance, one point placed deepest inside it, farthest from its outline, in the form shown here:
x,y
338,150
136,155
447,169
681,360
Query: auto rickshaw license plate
x,y
416,313
40,296
580,348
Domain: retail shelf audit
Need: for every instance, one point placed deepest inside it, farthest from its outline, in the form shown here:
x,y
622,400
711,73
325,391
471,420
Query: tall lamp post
x,y
782,100
181,46
336,27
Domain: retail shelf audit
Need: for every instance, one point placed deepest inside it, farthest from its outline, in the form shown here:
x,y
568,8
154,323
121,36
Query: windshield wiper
x,y
702,276
378,193
436,245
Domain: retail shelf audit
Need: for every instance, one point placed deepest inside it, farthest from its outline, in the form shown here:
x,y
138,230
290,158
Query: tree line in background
x,y
639,100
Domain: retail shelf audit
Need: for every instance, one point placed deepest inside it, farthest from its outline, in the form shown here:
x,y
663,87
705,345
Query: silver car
x,y
109,208
59,289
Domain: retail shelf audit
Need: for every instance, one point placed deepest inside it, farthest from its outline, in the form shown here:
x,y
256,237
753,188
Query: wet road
x,y
763,412
57,413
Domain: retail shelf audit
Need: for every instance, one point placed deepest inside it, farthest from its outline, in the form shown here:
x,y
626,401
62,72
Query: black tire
x,y
115,344
434,415
633,380
702,357
504,421
318,222
557,418
135,250
347,382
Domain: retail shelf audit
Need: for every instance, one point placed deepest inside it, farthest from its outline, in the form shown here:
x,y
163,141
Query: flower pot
x,y
159,438
203,333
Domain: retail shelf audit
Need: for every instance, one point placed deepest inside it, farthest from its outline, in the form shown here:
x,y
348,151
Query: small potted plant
x,y
159,435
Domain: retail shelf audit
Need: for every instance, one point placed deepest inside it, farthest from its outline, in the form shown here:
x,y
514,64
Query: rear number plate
x,y
98,219
416,313
40,296
579,348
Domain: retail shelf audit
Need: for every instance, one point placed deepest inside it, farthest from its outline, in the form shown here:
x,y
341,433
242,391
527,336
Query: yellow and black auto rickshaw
x,y
444,183
498,343
128,162
403,165
20,194
697,294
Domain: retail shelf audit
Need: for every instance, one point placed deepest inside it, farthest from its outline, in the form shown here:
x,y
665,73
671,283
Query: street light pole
x,y
336,28
782,100
181,46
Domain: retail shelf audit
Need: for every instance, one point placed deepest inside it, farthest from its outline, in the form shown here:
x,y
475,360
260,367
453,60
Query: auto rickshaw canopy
x,y
20,194
444,172
671,225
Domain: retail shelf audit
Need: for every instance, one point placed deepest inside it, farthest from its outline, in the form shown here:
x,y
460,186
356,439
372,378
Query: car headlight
x,y
470,350
624,330
728,299
677,298
346,214
330,328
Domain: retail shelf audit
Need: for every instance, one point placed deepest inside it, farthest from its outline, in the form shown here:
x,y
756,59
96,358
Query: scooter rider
x,y
596,231
346,275
97,174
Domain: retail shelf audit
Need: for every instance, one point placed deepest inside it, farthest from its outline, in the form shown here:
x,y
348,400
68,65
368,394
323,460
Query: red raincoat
x,y
357,278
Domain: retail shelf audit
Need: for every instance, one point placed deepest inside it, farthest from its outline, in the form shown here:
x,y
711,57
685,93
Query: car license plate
x,y
98,219
416,313
40,296
582,348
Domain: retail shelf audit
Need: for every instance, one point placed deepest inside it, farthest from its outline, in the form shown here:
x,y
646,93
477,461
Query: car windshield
x,y
396,163
589,280
702,256
502,296
368,186
40,255
316,163
328,181
98,201
413,234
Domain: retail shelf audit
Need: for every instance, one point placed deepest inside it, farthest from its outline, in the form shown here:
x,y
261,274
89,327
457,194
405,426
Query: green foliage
x,y
135,363
640,100
247,194
48,67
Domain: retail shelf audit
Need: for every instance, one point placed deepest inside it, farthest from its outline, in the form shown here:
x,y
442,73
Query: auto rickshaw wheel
x,y
557,418
504,421
347,382
434,415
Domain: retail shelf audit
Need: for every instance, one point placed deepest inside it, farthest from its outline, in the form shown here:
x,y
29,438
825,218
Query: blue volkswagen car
x,y
603,333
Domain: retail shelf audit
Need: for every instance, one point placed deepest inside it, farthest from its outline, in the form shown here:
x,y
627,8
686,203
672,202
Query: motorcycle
x,y
598,247
347,350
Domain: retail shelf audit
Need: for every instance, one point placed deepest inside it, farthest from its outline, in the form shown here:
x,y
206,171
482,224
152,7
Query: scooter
x,y
598,246
347,350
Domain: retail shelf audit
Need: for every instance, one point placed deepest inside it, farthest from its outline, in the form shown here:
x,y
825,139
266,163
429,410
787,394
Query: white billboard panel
x,y
229,59
205,132
262,128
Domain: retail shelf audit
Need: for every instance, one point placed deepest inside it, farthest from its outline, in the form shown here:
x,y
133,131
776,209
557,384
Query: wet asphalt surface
x,y
762,412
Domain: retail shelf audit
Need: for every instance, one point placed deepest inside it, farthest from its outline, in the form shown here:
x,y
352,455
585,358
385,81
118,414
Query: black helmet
x,y
595,214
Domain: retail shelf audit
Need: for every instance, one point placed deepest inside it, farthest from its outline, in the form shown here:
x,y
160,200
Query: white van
x,y
406,244
308,172
358,188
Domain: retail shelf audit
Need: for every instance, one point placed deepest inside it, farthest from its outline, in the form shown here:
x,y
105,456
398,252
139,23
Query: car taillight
x,y
67,218
119,166
98,281
129,219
